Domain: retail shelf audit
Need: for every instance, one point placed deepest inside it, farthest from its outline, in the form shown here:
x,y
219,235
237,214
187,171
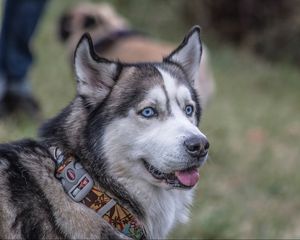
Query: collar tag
x,y
76,182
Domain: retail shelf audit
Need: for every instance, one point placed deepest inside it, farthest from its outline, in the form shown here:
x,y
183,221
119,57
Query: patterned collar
x,y
80,187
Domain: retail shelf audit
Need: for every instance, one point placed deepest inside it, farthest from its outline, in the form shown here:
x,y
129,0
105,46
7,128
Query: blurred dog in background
x,y
114,38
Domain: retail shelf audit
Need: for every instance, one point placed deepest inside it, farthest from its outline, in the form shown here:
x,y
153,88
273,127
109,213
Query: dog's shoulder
x,y
24,156
25,168
19,154
21,146
33,203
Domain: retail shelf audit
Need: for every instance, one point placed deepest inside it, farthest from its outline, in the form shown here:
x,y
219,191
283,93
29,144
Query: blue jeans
x,y
18,25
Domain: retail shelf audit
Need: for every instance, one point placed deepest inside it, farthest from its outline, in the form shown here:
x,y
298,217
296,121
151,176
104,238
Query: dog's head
x,y
143,117
87,17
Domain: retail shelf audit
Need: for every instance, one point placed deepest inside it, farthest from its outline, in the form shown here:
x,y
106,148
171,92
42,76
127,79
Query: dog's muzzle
x,y
197,148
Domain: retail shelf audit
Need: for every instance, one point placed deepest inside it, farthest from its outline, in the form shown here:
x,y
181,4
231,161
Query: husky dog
x,y
133,128
115,39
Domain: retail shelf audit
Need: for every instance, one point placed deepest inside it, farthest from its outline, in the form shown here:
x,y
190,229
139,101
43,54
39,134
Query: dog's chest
x,y
164,208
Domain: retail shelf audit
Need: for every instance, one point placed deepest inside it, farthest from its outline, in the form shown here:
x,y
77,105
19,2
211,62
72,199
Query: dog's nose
x,y
197,146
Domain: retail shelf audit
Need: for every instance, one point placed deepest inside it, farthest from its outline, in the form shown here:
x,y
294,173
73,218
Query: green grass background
x,y
250,187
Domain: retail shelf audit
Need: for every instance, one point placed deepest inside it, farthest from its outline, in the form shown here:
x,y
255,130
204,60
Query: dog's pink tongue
x,y
189,177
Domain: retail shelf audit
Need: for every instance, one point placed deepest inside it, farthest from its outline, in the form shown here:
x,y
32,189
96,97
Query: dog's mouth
x,y
185,178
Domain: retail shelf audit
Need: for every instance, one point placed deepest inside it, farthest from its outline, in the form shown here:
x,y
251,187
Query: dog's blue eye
x,y
189,109
148,112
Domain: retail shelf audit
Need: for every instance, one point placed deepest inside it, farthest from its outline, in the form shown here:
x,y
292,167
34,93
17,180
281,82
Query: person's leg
x,y
23,16
18,25
6,21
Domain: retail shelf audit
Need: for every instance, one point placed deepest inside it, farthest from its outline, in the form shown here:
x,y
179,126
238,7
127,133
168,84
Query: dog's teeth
x,y
170,181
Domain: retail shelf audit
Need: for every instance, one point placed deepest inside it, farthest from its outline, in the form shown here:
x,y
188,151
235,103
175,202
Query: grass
x,y
250,186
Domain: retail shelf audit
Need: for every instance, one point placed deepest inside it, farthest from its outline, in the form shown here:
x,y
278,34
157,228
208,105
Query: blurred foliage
x,y
269,28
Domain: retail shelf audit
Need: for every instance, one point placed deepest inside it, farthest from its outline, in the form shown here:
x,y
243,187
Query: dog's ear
x,y
95,76
188,54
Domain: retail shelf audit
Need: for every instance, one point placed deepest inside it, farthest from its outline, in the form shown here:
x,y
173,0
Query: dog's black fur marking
x,y
180,74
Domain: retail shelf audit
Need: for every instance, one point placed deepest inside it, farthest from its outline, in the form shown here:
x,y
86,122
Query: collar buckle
x,y
76,182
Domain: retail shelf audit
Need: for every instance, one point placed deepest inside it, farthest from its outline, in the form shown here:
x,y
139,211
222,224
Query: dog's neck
x,y
66,131
159,209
